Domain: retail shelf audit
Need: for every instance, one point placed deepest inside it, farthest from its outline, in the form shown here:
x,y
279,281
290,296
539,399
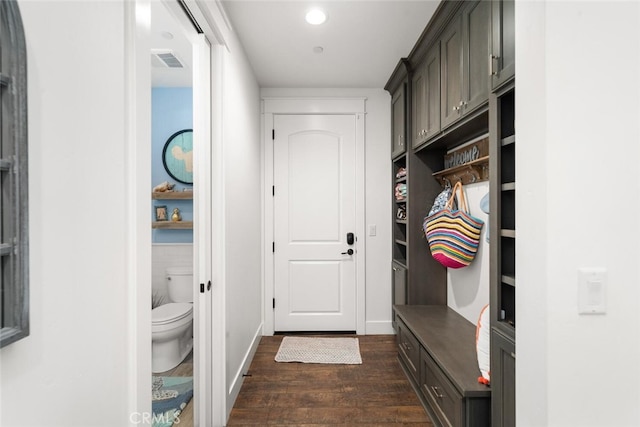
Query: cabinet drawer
x,y
409,349
440,393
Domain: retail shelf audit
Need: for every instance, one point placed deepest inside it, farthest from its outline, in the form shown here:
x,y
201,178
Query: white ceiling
x,y
362,40
162,22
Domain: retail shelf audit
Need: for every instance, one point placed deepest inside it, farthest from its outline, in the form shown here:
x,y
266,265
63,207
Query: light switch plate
x,y
592,291
372,230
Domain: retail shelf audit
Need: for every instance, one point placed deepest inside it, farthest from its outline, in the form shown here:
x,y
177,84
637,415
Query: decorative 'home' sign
x,y
467,154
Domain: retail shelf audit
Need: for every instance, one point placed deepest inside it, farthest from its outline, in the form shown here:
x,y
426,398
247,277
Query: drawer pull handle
x,y
436,392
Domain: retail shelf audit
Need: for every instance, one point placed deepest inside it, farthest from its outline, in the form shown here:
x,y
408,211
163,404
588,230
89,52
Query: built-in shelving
x,y
172,195
503,255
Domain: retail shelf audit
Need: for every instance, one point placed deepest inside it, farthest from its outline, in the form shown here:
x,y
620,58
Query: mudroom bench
x,y
436,349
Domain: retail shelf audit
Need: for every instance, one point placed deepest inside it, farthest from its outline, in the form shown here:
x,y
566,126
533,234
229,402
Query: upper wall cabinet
x,y
397,86
503,55
476,21
451,78
465,66
426,97
398,123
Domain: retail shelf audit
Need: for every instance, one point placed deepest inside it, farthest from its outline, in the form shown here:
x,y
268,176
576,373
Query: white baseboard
x,y
383,327
234,390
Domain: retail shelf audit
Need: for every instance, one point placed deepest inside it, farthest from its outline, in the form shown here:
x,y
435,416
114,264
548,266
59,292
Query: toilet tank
x,y
180,284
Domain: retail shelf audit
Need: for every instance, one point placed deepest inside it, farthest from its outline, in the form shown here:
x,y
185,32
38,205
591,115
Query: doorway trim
x,y
211,403
311,105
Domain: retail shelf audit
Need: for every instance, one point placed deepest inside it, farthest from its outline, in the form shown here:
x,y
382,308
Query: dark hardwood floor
x,y
375,393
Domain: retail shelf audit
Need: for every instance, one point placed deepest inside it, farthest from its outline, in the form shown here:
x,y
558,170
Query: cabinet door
x,y
476,20
451,58
418,104
503,380
432,86
399,285
398,131
503,59
408,349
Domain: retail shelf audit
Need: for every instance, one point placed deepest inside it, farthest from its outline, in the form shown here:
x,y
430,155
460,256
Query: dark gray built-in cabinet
x,y
425,99
398,86
455,85
503,188
451,65
503,54
503,254
476,25
399,112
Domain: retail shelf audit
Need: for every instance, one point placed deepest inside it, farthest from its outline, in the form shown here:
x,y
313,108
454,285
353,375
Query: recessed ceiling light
x,y
167,35
318,49
316,17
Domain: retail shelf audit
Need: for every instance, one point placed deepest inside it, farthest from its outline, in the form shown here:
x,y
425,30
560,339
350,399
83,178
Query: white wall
x,y
468,287
577,151
243,230
73,370
168,255
378,198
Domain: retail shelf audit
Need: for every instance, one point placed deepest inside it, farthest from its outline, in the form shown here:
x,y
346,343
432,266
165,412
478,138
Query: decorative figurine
x,y
163,187
175,216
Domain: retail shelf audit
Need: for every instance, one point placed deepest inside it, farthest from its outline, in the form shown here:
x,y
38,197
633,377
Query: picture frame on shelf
x,y
161,213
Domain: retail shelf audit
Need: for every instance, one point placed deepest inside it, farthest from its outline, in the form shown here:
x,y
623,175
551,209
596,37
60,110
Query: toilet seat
x,y
172,312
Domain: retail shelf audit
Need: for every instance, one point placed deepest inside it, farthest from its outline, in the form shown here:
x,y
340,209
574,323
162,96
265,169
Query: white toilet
x,y
172,323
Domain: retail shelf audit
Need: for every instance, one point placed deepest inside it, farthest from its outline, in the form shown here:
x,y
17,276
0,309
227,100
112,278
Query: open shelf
x,y
172,225
172,195
508,140
508,233
508,280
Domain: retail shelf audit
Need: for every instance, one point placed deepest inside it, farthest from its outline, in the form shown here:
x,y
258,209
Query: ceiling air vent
x,y
165,58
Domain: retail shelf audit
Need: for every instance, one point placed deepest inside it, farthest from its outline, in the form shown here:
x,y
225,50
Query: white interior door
x,y
202,233
314,210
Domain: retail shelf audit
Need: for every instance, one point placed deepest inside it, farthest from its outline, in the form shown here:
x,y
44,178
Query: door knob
x,y
348,252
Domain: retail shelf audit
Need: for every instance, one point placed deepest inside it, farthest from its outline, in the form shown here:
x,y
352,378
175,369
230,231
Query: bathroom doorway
x,y
181,215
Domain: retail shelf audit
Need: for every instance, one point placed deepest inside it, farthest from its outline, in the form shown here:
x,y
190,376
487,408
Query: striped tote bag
x,y
453,235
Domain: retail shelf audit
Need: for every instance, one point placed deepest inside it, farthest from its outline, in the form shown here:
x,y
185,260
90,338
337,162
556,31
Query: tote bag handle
x,y
462,201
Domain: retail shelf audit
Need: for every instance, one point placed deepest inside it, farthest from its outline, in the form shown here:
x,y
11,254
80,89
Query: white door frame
x,y
210,403
349,106
138,124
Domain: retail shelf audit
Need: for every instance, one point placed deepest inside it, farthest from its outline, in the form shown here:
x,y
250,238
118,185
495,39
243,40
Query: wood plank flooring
x,y
376,393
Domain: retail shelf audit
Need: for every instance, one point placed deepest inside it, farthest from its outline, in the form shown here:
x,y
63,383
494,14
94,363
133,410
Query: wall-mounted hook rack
x,y
468,173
